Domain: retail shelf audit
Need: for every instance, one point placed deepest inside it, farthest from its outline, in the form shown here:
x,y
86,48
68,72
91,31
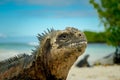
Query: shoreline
x,y
6,54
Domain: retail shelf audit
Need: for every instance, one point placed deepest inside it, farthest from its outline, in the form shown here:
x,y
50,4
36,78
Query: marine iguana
x,y
52,59
84,62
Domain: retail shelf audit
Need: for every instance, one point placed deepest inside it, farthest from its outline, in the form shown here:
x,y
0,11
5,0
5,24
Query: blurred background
x,y
22,20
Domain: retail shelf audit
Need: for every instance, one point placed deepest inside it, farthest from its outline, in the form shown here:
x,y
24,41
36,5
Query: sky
x,y
21,18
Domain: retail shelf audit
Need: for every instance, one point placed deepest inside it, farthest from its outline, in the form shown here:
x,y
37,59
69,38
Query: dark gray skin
x,y
57,52
84,62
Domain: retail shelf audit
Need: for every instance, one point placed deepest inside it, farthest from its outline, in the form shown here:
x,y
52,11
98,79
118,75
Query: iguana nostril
x,y
79,34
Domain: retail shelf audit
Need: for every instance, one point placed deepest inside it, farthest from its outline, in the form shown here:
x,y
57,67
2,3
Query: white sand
x,y
95,73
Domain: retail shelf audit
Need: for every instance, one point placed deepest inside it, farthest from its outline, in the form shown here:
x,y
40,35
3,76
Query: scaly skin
x,y
55,55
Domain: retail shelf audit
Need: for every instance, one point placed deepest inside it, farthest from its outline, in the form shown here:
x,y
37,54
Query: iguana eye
x,y
63,36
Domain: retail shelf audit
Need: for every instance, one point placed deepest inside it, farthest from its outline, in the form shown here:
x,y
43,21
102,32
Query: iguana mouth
x,y
78,44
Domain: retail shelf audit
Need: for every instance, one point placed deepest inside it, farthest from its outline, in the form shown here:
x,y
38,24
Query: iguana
x,y
52,59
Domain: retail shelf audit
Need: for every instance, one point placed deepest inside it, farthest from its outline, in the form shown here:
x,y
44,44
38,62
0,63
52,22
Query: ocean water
x,y
8,50
95,50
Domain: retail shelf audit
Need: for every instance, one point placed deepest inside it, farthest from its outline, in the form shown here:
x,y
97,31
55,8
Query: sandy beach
x,y
95,73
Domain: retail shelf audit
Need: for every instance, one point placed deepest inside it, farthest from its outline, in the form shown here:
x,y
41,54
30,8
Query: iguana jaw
x,y
78,44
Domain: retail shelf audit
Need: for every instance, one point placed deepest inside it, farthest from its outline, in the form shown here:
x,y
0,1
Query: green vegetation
x,y
109,14
95,37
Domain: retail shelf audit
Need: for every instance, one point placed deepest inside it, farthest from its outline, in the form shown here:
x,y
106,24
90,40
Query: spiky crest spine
x,y
14,61
43,35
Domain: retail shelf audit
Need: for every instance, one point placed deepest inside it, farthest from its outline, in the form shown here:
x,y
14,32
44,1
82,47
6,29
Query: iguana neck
x,y
39,70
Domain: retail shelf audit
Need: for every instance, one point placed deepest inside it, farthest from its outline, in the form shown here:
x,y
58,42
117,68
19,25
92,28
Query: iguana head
x,y
67,42
61,48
